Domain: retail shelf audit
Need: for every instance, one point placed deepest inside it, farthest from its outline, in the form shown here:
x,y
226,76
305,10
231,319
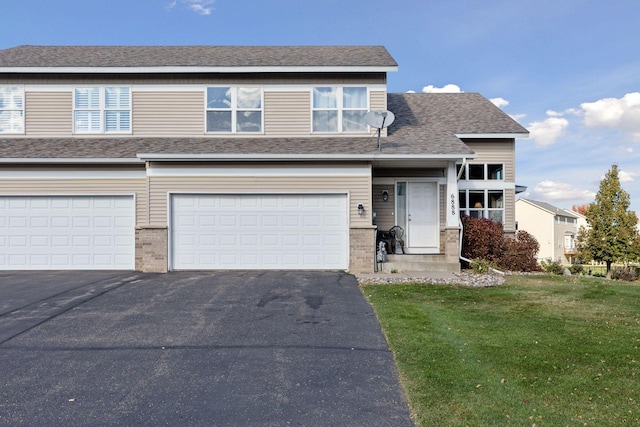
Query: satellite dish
x,y
380,119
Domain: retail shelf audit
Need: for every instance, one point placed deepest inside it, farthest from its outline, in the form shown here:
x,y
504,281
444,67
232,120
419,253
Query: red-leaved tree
x,y
485,240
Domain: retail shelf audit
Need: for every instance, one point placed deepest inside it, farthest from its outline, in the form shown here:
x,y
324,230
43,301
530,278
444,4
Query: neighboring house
x,y
205,157
555,229
581,219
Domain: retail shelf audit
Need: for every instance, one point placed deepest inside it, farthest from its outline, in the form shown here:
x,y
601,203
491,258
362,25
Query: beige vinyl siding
x,y
540,224
385,211
358,189
287,113
496,152
48,114
76,187
168,113
509,210
400,174
378,101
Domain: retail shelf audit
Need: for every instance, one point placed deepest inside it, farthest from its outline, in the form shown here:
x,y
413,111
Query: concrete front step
x,y
417,263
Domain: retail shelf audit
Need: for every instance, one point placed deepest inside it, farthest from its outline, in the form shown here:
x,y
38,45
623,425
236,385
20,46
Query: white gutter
x,y
91,160
493,135
296,157
198,69
464,164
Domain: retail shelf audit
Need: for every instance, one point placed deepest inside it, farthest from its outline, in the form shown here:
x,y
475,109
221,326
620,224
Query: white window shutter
x,y
118,98
88,98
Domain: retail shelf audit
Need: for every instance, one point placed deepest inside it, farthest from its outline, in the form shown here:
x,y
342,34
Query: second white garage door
x,y
251,231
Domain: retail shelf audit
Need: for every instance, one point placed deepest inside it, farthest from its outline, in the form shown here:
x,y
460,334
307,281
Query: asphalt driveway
x,y
224,348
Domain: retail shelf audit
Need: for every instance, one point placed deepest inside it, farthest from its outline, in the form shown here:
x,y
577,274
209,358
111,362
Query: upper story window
x,y
102,110
234,109
340,109
482,171
11,109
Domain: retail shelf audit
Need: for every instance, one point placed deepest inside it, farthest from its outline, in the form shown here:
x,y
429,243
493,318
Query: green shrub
x,y
480,266
576,269
552,267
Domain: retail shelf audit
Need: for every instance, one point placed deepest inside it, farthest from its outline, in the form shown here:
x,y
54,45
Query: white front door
x,y
422,218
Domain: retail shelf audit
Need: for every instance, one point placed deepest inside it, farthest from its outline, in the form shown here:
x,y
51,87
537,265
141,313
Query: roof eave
x,y
199,69
298,157
78,160
512,135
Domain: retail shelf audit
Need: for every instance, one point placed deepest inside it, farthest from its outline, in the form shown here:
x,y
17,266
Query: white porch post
x,y
453,202
452,229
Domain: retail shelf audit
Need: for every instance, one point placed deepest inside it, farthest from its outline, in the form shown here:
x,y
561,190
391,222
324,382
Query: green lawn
x,y
539,350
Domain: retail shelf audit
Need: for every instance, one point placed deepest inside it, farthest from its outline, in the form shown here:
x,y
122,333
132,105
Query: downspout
x,y
464,162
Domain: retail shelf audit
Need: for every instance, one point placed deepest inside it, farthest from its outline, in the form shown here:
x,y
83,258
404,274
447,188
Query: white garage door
x,y
67,232
249,231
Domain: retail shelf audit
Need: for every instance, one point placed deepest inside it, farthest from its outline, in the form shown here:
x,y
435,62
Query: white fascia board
x,y
186,87
180,70
71,160
297,157
492,135
80,175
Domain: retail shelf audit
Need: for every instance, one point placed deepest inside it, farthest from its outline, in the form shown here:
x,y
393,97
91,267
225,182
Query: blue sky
x,y
568,70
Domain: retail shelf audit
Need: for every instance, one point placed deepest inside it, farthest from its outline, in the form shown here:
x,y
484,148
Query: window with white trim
x,y
11,109
102,109
482,171
483,204
340,109
234,109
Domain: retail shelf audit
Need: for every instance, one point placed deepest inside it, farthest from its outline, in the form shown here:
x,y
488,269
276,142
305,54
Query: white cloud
x,y
201,7
618,113
517,117
450,88
627,176
547,131
499,102
551,191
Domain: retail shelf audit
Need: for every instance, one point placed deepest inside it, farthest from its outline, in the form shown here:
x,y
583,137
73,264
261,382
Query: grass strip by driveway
x,y
539,350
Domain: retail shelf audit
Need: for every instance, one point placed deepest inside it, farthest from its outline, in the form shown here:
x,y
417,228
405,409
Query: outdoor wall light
x,y
360,208
385,195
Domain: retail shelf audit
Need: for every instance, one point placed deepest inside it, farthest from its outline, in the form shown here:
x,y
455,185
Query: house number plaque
x,y
453,204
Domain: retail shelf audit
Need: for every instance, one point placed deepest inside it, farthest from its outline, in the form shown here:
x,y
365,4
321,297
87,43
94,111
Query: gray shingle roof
x,y
433,119
425,125
554,210
196,56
